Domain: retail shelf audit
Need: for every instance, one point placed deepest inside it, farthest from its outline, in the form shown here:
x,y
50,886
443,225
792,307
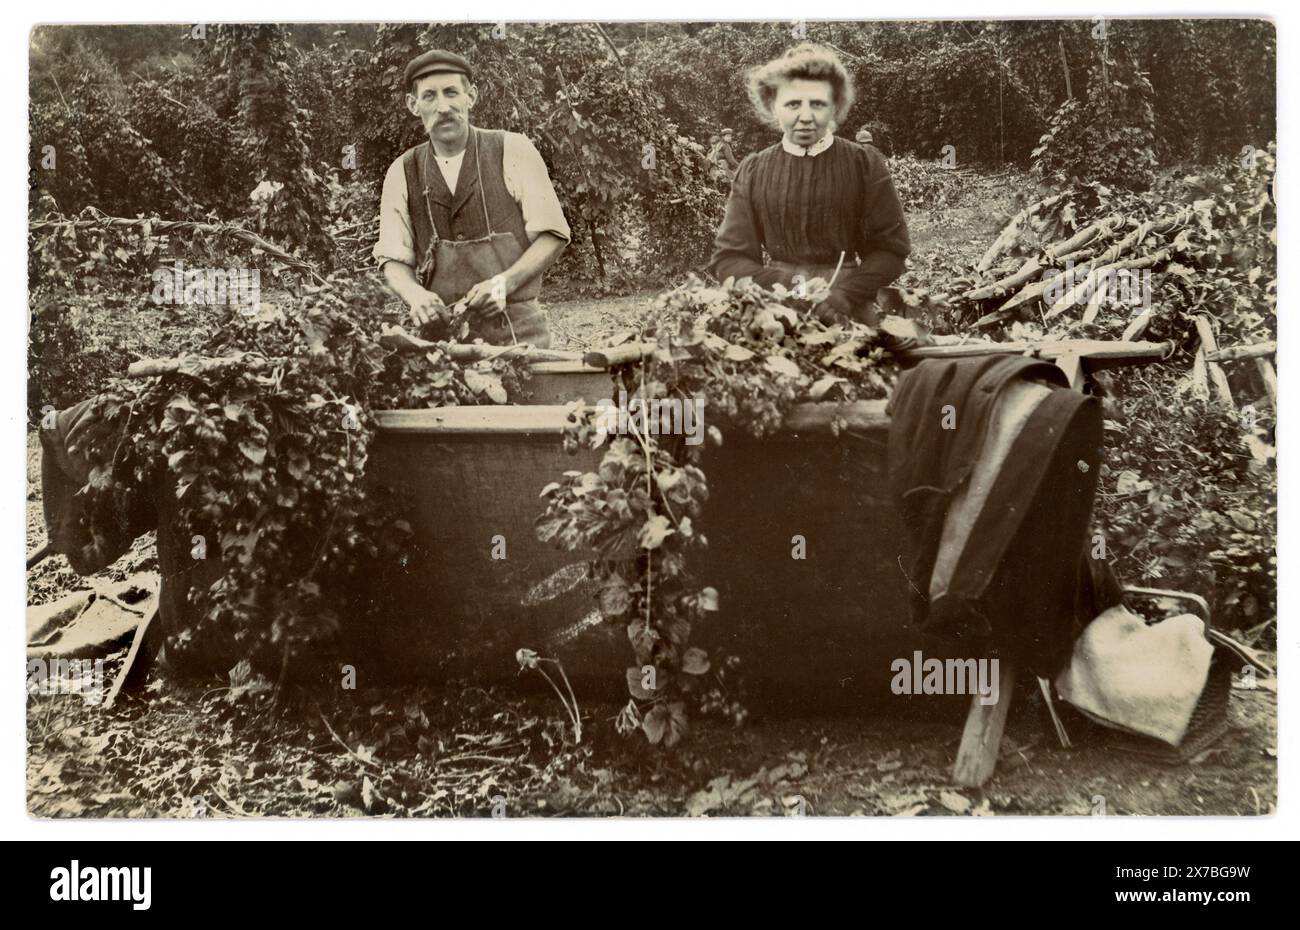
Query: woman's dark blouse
x,y
805,210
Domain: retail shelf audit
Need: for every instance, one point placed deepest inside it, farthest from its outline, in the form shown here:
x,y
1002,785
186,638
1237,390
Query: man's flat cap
x,y
437,61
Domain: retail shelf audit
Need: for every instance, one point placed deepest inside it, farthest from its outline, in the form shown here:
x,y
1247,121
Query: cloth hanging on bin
x,y
1020,580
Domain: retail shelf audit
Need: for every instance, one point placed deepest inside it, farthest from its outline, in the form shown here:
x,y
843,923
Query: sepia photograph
x,y
651,419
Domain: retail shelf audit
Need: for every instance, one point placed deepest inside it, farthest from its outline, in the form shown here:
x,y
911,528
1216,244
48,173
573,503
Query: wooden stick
x,y
1138,326
1086,236
1258,350
1045,687
1075,294
1211,348
1105,263
625,354
1020,277
1024,277
1078,257
1200,376
145,646
163,227
977,756
1266,372
39,555
1033,291
199,366
400,340
1012,230
1094,306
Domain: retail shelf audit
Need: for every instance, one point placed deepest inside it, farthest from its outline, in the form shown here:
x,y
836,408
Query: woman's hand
x,y
834,307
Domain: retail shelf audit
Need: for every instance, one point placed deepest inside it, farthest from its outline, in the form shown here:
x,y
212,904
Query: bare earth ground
x,y
187,750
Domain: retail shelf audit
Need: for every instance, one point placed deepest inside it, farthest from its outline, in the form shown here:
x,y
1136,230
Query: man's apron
x,y
450,268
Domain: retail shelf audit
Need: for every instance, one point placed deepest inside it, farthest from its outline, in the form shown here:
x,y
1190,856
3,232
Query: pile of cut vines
x,y
263,441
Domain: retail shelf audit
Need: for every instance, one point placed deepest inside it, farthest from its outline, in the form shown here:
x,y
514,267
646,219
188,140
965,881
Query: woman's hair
x,y
808,62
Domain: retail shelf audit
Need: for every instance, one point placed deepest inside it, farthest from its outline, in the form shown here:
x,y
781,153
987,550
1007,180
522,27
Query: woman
x,y
812,201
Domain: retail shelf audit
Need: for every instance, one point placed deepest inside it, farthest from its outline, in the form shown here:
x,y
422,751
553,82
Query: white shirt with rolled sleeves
x,y
527,180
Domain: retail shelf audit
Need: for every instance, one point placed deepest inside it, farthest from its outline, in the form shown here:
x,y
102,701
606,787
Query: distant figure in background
x,y
715,143
813,202
726,156
864,136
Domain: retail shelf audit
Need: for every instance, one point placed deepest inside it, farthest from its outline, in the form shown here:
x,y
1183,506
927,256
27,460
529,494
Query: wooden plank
x,y
1101,353
549,419
977,756
1072,364
507,419
859,416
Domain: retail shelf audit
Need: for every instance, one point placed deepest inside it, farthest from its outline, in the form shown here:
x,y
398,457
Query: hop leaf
x,y
654,531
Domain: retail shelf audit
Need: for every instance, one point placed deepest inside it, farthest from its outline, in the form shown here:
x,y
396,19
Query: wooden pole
x,y
1258,350
1210,347
198,366
977,756
39,555
1065,67
1266,372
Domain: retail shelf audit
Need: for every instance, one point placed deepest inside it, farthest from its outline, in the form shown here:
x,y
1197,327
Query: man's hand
x,y
426,306
487,298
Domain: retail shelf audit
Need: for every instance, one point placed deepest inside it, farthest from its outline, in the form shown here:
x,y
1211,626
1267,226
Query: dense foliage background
x,y
188,121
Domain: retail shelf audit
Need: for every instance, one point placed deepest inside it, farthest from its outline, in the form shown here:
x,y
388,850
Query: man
x,y
817,206
726,157
469,217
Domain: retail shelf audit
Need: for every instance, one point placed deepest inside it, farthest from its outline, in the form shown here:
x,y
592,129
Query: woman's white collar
x,y
816,148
